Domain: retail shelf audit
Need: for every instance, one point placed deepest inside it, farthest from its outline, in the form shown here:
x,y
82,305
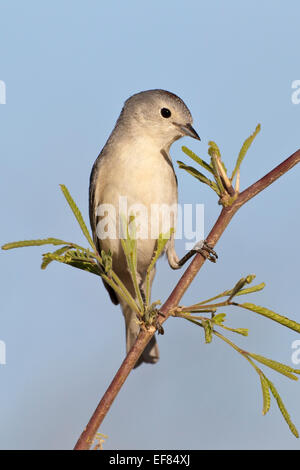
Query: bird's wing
x,y
93,218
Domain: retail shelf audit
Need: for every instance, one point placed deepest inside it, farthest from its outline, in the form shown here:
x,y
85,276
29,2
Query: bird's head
x,y
159,115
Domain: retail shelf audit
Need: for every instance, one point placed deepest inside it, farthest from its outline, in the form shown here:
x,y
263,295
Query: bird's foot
x,y
205,250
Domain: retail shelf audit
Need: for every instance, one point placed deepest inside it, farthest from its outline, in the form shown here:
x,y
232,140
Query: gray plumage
x,y
135,163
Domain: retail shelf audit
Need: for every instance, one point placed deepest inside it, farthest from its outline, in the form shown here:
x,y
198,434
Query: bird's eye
x,y
165,112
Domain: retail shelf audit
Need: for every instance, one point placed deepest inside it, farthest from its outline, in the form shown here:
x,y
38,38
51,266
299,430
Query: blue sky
x,y
68,67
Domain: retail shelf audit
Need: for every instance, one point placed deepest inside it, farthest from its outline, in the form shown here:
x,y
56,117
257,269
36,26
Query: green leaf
x,y
244,150
217,175
197,159
106,261
282,408
78,215
250,278
160,245
213,149
266,393
239,285
278,366
192,171
207,330
121,292
39,242
240,331
71,258
48,259
272,315
219,318
250,290
229,292
129,245
186,317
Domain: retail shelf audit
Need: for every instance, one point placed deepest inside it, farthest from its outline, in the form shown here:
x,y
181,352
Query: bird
x,y
135,165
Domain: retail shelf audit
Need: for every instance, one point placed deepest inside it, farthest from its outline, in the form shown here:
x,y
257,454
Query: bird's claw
x,y
206,250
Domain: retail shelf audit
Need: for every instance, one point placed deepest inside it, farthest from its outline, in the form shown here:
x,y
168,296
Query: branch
x,y
88,435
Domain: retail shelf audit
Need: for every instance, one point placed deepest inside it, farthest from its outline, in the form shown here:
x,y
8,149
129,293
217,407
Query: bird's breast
x,y
141,183
142,176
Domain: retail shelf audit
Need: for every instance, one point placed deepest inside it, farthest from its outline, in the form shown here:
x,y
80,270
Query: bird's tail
x,y
151,352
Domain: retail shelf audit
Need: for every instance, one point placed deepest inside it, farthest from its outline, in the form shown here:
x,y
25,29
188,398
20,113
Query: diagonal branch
x,y
87,437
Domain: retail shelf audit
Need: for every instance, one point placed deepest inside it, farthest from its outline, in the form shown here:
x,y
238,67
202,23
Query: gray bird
x,y
135,163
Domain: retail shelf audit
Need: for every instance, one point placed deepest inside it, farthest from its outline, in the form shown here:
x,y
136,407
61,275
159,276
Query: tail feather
x,y
150,355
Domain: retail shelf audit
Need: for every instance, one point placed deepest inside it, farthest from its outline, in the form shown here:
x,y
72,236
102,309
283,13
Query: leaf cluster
x,y
195,314
221,182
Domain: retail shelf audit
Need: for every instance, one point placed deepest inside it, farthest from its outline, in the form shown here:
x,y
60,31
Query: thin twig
x,y
88,435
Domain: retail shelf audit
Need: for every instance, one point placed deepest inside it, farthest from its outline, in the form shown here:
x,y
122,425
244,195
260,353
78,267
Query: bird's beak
x,y
188,129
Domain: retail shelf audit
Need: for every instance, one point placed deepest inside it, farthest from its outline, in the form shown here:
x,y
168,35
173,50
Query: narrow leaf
x,y
197,159
278,366
207,330
219,318
239,285
160,245
39,242
266,394
47,259
71,260
129,245
213,149
272,315
229,292
244,150
282,408
240,331
217,174
192,171
78,215
249,290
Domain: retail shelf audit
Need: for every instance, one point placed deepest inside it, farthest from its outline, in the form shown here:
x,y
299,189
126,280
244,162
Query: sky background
x,y
68,67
